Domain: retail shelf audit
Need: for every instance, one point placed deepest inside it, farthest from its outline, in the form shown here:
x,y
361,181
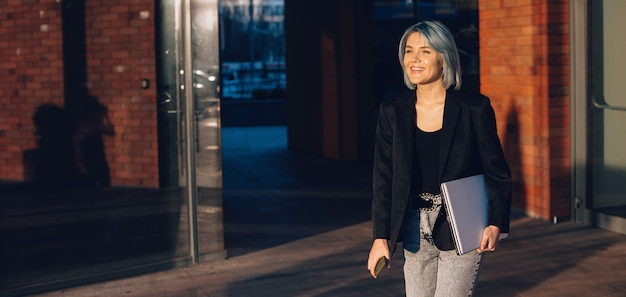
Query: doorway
x,y
599,116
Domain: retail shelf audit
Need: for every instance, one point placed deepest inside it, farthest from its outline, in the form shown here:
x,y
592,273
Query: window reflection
x,y
252,49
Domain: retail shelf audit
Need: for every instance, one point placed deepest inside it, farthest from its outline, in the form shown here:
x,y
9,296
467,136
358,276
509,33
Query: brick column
x,y
524,58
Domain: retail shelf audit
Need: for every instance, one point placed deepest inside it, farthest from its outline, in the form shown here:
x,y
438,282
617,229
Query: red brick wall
x,y
524,56
31,74
120,53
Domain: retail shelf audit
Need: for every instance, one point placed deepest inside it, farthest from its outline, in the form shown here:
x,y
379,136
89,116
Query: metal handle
x,y
605,105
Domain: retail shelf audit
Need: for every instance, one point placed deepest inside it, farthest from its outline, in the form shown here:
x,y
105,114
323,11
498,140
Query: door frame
x,y
580,104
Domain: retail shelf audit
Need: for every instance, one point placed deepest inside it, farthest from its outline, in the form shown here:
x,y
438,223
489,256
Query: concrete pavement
x,y
298,225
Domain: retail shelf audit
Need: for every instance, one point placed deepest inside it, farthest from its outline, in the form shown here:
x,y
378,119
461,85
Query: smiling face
x,y
422,65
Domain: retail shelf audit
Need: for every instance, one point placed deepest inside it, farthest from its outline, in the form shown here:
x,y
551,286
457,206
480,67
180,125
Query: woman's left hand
x,y
489,241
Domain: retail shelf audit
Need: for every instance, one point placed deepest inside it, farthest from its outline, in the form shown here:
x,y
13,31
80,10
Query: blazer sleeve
x,y
495,168
382,173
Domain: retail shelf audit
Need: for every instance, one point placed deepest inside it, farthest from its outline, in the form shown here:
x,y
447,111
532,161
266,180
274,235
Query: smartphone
x,y
382,263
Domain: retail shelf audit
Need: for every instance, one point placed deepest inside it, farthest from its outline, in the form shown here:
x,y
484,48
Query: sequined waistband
x,y
426,201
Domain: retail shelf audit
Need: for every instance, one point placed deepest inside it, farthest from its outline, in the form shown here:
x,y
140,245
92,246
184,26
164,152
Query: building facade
x,y
100,99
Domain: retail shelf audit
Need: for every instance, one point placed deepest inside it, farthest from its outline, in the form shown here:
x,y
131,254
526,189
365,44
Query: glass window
x,y
606,63
252,50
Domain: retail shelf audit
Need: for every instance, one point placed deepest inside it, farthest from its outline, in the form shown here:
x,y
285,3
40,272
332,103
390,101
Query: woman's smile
x,y
421,63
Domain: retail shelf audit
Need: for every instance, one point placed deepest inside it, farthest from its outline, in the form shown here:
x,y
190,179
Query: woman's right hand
x,y
379,249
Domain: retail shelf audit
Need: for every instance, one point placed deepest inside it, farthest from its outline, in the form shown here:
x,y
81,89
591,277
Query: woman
x,y
427,135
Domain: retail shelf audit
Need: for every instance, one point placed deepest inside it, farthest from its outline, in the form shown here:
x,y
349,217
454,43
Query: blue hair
x,y
441,40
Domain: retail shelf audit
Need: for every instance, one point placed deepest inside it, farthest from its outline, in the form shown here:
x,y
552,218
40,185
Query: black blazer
x,y
469,146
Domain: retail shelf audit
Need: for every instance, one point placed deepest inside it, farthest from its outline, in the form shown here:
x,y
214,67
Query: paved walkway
x,y
297,225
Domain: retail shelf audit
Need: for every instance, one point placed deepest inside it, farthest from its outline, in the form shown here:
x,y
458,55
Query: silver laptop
x,y
466,203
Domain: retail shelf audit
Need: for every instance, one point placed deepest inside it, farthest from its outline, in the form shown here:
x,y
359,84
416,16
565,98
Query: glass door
x,y
191,50
602,200
202,60
70,222
608,116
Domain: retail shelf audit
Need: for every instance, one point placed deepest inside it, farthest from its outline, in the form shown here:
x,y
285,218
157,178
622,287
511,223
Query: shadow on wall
x,y
512,151
70,145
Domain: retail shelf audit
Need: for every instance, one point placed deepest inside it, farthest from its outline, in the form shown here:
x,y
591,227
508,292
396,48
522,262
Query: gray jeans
x,y
429,272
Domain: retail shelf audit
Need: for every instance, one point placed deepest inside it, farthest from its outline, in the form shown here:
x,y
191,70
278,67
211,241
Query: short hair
x,y
441,40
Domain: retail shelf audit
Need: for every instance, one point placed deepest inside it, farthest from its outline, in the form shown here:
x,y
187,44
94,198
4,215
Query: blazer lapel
x,y
406,129
450,116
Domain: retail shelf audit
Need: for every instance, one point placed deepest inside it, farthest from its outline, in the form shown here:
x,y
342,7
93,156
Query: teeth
x,y
417,68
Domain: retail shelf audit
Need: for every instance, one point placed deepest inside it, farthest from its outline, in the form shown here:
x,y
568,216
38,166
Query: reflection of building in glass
x,y
252,49
264,80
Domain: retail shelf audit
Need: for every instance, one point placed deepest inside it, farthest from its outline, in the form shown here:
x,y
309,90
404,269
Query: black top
x,y
426,162
469,139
